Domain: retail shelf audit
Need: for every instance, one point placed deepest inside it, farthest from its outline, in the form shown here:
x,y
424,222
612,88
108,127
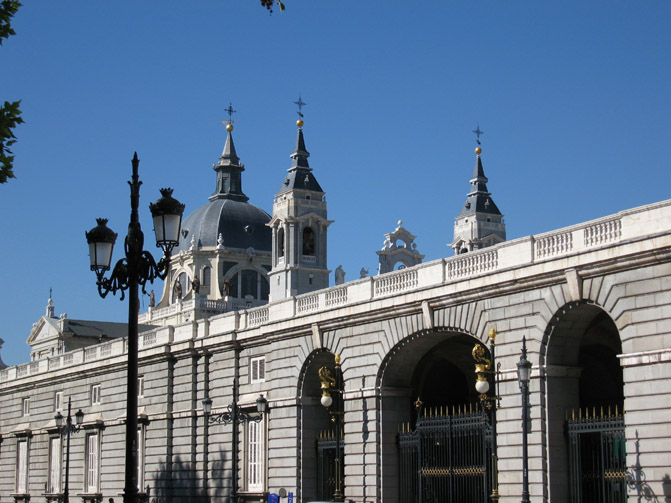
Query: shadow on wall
x,y
638,485
182,481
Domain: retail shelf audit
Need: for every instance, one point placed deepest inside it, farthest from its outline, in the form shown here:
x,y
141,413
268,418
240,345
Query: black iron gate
x,y
445,458
597,457
326,464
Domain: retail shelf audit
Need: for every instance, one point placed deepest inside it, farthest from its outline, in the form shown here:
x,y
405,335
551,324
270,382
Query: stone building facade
x,y
592,301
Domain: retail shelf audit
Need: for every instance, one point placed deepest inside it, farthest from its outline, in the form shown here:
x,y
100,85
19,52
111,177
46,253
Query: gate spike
x,y
453,410
579,412
616,409
602,412
609,411
470,407
594,412
459,409
573,414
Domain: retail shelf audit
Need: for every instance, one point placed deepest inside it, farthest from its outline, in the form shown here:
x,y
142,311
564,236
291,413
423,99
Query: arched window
x,y
207,274
249,282
308,241
280,242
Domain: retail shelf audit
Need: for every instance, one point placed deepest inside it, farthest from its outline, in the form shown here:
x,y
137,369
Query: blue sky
x,y
573,98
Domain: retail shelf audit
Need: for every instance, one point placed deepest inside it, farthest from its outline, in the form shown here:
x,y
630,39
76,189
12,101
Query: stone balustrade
x,y
636,224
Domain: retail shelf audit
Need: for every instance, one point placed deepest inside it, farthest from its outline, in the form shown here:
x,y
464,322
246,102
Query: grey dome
x,y
241,225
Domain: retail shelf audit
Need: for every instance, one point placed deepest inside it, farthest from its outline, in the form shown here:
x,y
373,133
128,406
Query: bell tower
x,y
479,224
299,226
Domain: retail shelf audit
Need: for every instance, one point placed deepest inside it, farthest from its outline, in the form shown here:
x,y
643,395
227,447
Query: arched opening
x,y
585,398
247,284
280,242
436,367
308,241
314,420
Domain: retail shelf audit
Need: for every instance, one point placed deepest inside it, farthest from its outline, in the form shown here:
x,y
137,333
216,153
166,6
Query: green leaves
x,y
7,9
268,4
10,116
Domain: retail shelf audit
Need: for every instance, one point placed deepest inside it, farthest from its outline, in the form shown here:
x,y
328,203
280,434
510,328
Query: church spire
x,y
479,223
228,169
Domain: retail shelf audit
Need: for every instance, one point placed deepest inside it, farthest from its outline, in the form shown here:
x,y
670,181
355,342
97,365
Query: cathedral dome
x,y
241,225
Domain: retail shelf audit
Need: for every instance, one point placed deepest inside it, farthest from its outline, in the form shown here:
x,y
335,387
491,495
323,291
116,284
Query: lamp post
x,y
234,415
524,377
334,385
484,368
67,429
135,269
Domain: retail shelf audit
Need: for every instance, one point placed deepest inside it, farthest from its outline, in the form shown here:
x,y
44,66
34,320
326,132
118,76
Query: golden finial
x,y
492,332
299,122
229,127
478,150
337,359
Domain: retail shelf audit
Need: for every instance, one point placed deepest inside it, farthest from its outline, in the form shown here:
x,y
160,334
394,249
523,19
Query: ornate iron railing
x,y
445,459
326,464
597,456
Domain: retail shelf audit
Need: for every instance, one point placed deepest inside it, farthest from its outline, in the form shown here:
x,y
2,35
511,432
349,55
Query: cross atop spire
x,y
230,113
478,132
300,104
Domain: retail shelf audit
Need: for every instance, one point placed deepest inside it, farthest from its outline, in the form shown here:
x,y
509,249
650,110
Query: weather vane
x,y
300,104
478,133
230,113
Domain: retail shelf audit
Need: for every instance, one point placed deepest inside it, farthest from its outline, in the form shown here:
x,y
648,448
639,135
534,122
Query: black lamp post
x,y
524,377
135,269
235,415
67,429
483,369
334,385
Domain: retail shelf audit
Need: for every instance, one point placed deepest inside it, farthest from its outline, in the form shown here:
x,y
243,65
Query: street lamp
x,y
235,415
484,368
135,269
524,377
334,386
67,429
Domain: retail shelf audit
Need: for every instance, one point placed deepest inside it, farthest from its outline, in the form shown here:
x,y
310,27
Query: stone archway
x,y
312,419
583,374
436,366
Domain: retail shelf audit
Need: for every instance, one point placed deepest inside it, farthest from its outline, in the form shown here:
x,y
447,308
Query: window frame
x,y
22,465
92,466
25,406
55,468
58,401
255,456
96,394
257,365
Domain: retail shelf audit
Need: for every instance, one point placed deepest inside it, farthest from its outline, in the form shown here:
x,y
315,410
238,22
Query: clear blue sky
x,y
573,98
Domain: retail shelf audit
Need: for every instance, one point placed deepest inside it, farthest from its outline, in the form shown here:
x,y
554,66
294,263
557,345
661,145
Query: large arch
x,y
312,419
582,372
435,365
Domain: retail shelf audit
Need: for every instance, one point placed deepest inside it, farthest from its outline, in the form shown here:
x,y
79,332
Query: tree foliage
x,y
269,4
10,115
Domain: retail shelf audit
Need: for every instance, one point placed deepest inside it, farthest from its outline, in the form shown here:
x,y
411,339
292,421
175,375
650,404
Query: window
x,y
55,457
58,401
25,407
257,371
140,386
92,463
255,466
280,242
308,241
95,394
22,466
207,274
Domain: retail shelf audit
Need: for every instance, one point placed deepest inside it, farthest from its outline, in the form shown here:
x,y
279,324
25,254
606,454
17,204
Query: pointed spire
x,y
229,157
229,170
300,154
